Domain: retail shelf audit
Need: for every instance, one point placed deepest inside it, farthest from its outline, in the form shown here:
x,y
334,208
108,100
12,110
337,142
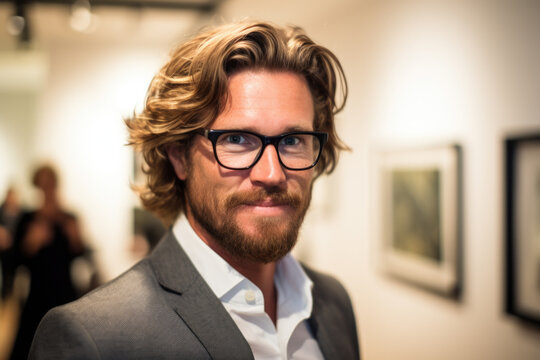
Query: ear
x,y
177,157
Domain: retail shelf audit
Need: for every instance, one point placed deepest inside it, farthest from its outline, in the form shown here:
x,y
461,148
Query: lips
x,y
267,203
263,198
267,209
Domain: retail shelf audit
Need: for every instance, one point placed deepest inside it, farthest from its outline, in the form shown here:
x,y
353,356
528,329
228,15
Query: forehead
x,y
269,102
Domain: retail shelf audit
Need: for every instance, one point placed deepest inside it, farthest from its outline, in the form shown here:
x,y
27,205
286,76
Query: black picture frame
x,y
522,245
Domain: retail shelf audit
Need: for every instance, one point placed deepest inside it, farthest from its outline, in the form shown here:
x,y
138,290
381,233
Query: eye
x,y
238,141
291,140
235,139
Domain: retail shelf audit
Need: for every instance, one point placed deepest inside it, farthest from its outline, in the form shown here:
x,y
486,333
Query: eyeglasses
x,y
240,150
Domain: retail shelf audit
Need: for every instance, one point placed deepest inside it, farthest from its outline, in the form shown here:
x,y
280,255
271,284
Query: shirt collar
x,y
220,276
293,285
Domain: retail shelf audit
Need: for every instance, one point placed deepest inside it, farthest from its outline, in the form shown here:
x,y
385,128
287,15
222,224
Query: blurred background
x,y
420,73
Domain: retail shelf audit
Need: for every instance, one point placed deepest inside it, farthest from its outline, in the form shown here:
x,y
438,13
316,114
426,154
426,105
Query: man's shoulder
x,y
130,289
140,289
115,320
159,308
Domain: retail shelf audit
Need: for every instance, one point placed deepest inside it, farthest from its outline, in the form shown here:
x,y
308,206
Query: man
x,y
236,127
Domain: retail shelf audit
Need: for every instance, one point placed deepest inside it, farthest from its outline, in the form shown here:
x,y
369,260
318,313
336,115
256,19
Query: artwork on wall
x,y
523,227
420,217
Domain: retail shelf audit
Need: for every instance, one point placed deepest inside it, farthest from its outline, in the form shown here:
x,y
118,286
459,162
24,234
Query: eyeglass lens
x,y
241,150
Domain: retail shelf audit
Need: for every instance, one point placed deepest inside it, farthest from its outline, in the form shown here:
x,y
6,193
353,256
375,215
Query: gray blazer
x,y
163,309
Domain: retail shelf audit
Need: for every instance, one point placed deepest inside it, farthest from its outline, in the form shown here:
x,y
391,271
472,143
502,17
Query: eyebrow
x,y
287,130
297,128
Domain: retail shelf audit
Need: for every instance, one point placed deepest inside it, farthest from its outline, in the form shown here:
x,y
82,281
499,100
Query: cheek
x,y
304,179
211,183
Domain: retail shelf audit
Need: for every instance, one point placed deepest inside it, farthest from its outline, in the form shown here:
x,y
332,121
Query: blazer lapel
x,y
193,300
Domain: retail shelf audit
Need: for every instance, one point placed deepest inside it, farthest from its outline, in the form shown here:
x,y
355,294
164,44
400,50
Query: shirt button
x,y
249,296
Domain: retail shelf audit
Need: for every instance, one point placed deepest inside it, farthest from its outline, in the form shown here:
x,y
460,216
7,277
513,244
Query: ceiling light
x,y
81,19
15,25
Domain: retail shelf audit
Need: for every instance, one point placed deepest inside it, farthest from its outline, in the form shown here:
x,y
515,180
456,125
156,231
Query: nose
x,y
268,170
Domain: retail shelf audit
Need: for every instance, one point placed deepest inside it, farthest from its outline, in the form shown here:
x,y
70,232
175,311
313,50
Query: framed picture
x,y
523,227
420,217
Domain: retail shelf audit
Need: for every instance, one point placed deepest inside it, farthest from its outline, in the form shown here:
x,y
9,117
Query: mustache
x,y
277,196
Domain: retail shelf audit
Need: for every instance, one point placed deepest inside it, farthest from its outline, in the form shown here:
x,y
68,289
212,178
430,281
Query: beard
x,y
273,237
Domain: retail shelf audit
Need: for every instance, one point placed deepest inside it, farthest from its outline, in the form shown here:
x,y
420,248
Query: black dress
x,y
50,278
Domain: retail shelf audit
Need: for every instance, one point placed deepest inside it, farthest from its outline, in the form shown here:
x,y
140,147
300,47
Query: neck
x,y
50,201
260,274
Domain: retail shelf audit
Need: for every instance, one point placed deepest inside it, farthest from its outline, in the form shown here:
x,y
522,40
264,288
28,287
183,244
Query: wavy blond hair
x,y
190,91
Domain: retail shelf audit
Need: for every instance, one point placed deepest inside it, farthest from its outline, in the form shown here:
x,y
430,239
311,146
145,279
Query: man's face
x,y
252,214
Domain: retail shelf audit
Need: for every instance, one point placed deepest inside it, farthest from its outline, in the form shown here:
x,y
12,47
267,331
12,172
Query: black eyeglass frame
x,y
213,135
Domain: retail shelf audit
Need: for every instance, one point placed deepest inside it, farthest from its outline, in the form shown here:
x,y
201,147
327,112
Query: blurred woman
x,y
46,241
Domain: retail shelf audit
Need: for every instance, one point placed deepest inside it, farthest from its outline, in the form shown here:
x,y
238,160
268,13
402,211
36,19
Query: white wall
x,y
422,73
22,77
88,83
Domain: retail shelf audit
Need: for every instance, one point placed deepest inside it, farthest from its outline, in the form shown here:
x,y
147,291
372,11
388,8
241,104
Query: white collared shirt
x,y
291,338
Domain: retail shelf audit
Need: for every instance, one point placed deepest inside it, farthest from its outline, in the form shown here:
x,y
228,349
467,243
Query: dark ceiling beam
x,y
207,6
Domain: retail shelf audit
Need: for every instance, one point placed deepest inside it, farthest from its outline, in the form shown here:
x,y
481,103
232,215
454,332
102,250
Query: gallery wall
x,y
420,73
